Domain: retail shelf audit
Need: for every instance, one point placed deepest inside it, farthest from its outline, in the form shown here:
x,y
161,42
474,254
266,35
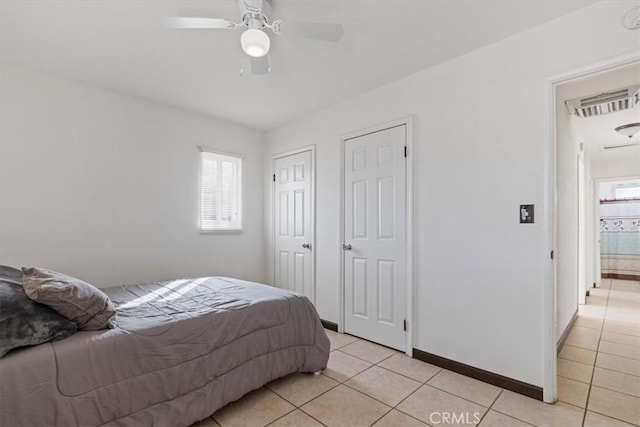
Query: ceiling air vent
x,y
605,103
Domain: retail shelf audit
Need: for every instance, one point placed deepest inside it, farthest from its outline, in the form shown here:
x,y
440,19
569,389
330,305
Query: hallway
x,y
599,364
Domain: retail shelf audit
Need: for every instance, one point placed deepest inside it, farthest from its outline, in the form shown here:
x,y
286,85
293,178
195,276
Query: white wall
x,y
482,139
567,150
105,187
625,164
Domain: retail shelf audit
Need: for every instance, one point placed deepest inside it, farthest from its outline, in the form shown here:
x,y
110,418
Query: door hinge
x,y
405,151
551,254
405,324
274,177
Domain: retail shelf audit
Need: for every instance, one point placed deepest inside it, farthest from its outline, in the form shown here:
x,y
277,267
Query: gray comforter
x,y
182,349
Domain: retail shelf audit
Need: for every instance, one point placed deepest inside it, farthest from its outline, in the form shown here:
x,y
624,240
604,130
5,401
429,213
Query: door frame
x,y
582,229
408,122
550,354
312,175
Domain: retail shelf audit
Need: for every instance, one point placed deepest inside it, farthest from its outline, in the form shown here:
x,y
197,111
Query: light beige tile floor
x,y
599,365
366,384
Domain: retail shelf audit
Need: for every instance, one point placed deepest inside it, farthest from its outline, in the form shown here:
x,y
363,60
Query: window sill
x,y
223,231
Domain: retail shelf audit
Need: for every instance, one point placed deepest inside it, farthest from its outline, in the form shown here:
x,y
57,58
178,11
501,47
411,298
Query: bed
x,y
182,349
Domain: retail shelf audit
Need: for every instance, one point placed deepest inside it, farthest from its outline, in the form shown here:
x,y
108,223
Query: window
x,y
220,192
627,192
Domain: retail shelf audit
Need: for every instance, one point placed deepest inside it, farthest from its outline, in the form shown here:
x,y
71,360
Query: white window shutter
x,y
221,192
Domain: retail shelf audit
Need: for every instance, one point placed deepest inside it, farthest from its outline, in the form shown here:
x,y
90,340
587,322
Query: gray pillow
x,y
87,306
24,322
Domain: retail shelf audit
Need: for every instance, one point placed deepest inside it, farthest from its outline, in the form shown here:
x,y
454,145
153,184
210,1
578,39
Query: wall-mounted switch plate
x,y
526,214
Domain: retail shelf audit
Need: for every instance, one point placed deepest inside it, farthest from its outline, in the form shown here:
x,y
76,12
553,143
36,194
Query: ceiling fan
x,y
255,42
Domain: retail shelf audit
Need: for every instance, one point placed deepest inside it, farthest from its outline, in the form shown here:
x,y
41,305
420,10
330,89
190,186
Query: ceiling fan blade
x,y
186,23
311,30
613,147
260,65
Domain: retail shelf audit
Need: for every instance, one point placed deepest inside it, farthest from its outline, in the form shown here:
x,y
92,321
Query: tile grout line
x,y
344,383
490,406
578,362
496,399
426,382
514,417
365,360
382,367
622,333
311,416
624,357
625,334
283,415
405,376
411,394
342,346
441,390
422,384
299,407
579,381
381,417
311,400
304,403
362,392
455,395
617,371
391,408
369,361
617,391
604,320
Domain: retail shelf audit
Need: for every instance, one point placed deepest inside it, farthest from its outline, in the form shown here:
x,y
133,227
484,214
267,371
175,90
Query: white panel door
x,y
293,255
374,230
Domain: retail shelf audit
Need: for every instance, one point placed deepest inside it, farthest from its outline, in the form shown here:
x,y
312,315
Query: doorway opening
x,y
597,306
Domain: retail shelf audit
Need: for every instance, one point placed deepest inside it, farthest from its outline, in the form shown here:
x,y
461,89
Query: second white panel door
x,y
293,256
375,240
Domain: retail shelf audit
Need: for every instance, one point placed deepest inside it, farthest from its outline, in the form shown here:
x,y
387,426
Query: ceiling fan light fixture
x,y
628,130
255,42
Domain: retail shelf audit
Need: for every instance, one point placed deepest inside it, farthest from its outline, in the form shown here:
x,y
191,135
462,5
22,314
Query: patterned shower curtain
x,y
620,239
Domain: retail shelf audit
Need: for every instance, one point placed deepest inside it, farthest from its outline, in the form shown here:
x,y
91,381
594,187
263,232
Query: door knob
x,y
306,245
346,247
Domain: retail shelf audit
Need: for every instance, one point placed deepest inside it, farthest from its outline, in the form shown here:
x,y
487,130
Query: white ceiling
x,y
598,131
122,46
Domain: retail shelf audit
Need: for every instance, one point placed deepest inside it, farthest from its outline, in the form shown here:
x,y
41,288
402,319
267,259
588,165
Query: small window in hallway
x,y
627,192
